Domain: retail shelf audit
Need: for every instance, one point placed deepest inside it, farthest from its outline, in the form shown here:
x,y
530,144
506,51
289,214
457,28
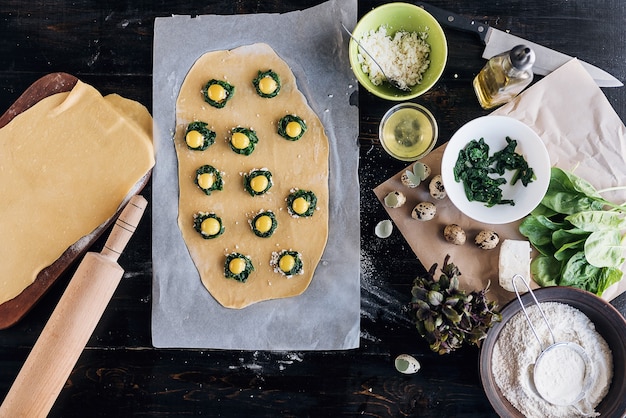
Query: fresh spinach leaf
x,y
604,249
545,270
595,220
578,233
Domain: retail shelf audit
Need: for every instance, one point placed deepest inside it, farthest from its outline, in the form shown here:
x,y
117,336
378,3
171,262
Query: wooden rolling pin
x,y
72,322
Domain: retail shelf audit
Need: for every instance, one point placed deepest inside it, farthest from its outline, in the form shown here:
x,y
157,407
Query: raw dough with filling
x,y
301,164
66,165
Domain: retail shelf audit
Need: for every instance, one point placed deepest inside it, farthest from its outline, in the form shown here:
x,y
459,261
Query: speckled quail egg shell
x,y
383,229
407,364
395,199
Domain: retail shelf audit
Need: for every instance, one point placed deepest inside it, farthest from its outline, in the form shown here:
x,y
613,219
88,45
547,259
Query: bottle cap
x,y
522,57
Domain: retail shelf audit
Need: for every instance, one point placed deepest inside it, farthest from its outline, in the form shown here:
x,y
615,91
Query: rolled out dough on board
x,y
66,164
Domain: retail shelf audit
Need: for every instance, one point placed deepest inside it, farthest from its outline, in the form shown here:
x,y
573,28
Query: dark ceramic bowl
x,y
608,322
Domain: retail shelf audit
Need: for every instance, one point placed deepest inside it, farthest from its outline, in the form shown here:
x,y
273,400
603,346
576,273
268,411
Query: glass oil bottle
x,y
504,76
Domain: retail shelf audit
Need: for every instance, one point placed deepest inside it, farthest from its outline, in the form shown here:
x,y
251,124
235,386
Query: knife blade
x,y
497,41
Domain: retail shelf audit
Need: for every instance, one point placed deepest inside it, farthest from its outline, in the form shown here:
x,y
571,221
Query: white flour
x,y
517,349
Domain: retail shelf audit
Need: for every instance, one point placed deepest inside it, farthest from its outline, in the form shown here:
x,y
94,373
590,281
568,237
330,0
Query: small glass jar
x,y
408,131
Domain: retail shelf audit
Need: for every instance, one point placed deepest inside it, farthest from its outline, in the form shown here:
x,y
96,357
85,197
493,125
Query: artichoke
x,y
446,316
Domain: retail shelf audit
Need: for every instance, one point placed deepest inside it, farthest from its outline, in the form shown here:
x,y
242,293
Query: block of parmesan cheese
x,y
514,259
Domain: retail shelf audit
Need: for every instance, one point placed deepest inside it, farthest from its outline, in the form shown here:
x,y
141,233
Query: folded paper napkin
x,y
582,133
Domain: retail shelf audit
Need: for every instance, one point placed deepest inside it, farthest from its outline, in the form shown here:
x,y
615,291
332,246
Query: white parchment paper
x,y
327,315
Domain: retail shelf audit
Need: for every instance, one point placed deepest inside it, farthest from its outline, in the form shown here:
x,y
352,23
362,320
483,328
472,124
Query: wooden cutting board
x,y
15,309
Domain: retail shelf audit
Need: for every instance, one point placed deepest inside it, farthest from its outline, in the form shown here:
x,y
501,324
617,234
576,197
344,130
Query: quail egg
x,y
424,211
487,240
436,188
454,234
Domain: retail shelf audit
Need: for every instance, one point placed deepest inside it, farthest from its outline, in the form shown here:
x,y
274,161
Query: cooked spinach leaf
x,y
208,225
257,182
217,93
208,179
259,226
198,136
475,168
238,266
291,127
301,203
245,144
267,84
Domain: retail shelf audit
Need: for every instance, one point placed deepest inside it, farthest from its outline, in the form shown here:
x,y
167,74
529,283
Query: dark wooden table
x,y
109,45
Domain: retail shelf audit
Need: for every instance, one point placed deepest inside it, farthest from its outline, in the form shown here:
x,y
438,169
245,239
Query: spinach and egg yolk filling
x,y
264,224
267,84
217,93
257,182
288,263
291,127
301,203
243,140
208,225
238,266
198,136
208,179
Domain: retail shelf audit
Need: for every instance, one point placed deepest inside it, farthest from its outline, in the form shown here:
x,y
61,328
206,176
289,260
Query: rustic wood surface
x,y
109,45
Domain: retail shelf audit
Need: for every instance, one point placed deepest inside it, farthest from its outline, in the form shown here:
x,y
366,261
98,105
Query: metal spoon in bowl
x,y
390,80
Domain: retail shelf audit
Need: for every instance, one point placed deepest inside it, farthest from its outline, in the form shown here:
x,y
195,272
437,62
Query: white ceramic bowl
x,y
494,130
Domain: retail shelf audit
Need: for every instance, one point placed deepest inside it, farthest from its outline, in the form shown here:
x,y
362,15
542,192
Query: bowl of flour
x,y
509,353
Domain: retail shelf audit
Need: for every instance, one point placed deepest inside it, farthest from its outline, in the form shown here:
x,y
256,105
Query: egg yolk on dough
x,y
206,180
210,226
240,140
259,183
194,139
263,223
293,129
267,85
287,263
237,265
300,205
217,93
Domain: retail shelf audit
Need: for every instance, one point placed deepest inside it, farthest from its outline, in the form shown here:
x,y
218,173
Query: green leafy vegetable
x,y
217,182
257,182
446,316
212,229
291,127
475,168
274,224
217,93
206,136
263,87
243,148
301,203
579,234
241,264
287,262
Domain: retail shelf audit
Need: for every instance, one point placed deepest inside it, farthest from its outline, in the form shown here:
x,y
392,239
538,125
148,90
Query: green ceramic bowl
x,y
411,18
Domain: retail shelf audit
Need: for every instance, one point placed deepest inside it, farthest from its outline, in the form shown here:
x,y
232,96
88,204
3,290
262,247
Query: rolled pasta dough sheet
x,y
299,164
66,165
